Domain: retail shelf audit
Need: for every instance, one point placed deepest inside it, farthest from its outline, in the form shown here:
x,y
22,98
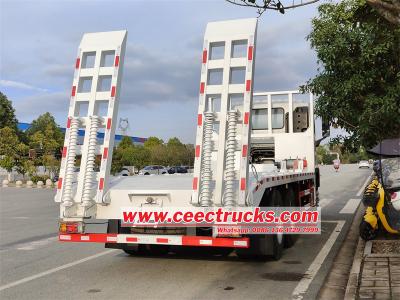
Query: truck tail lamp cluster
x,y
71,227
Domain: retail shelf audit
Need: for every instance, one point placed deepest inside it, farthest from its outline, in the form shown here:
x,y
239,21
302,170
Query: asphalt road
x,y
34,265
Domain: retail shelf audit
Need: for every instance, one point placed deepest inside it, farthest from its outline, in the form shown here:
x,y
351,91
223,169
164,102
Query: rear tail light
x,y
71,227
393,195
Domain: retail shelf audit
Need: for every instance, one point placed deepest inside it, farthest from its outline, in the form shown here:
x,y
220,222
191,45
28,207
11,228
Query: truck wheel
x,y
277,239
254,252
289,201
139,250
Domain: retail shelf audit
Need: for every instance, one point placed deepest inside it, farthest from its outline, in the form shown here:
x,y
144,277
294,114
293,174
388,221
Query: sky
x,y
39,42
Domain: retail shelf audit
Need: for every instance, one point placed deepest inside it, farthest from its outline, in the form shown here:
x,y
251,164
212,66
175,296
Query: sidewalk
x,y
375,273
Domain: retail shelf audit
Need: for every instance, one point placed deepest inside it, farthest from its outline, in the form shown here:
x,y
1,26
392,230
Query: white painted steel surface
x,y
96,83
210,178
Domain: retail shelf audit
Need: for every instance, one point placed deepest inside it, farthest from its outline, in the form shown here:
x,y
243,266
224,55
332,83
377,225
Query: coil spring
x,y
230,174
67,197
90,175
206,173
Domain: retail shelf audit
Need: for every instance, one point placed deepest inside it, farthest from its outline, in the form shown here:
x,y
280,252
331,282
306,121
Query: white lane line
x,y
51,271
313,269
362,188
36,244
324,202
350,206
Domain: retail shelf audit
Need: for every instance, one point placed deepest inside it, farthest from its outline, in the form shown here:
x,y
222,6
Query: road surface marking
x,y
313,269
350,206
51,271
324,202
362,188
36,244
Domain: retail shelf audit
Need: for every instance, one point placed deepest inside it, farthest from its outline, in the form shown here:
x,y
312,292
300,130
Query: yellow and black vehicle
x,y
382,196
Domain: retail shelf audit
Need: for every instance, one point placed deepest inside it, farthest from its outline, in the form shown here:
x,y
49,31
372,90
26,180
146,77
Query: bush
x,y
37,178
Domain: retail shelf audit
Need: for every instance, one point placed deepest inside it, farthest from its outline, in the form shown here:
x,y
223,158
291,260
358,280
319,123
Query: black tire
x,y
366,231
254,251
277,240
289,201
138,251
146,173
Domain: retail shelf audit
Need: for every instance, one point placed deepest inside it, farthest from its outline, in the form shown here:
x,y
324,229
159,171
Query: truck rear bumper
x,y
178,240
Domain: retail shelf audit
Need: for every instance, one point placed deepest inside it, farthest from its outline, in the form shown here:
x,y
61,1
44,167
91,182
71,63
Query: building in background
x,y
100,135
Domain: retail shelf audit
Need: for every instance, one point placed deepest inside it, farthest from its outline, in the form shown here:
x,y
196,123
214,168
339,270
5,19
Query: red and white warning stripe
x,y
180,240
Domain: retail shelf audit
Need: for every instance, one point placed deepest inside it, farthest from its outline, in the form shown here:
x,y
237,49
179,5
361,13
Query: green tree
x,y
389,9
127,154
8,141
26,166
51,164
7,113
7,163
126,142
14,153
358,85
152,142
47,139
141,157
46,125
176,152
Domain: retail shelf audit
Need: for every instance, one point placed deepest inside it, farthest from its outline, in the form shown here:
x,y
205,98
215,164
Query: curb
x,y
353,282
336,282
33,187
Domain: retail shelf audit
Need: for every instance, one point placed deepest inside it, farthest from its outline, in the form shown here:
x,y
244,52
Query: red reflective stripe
x,y
202,85
108,123
197,150
77,63
73,92
101,184
244,151
64,152
194,184
161,240
105,153
216,242
186,240
204,56
248,85
199,119
250,53
113,91
116,63
59,183
68,122
246,118
242,184
304,163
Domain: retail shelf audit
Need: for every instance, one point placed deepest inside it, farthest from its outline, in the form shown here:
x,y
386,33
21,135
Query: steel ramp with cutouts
x,y
223,121
94,107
